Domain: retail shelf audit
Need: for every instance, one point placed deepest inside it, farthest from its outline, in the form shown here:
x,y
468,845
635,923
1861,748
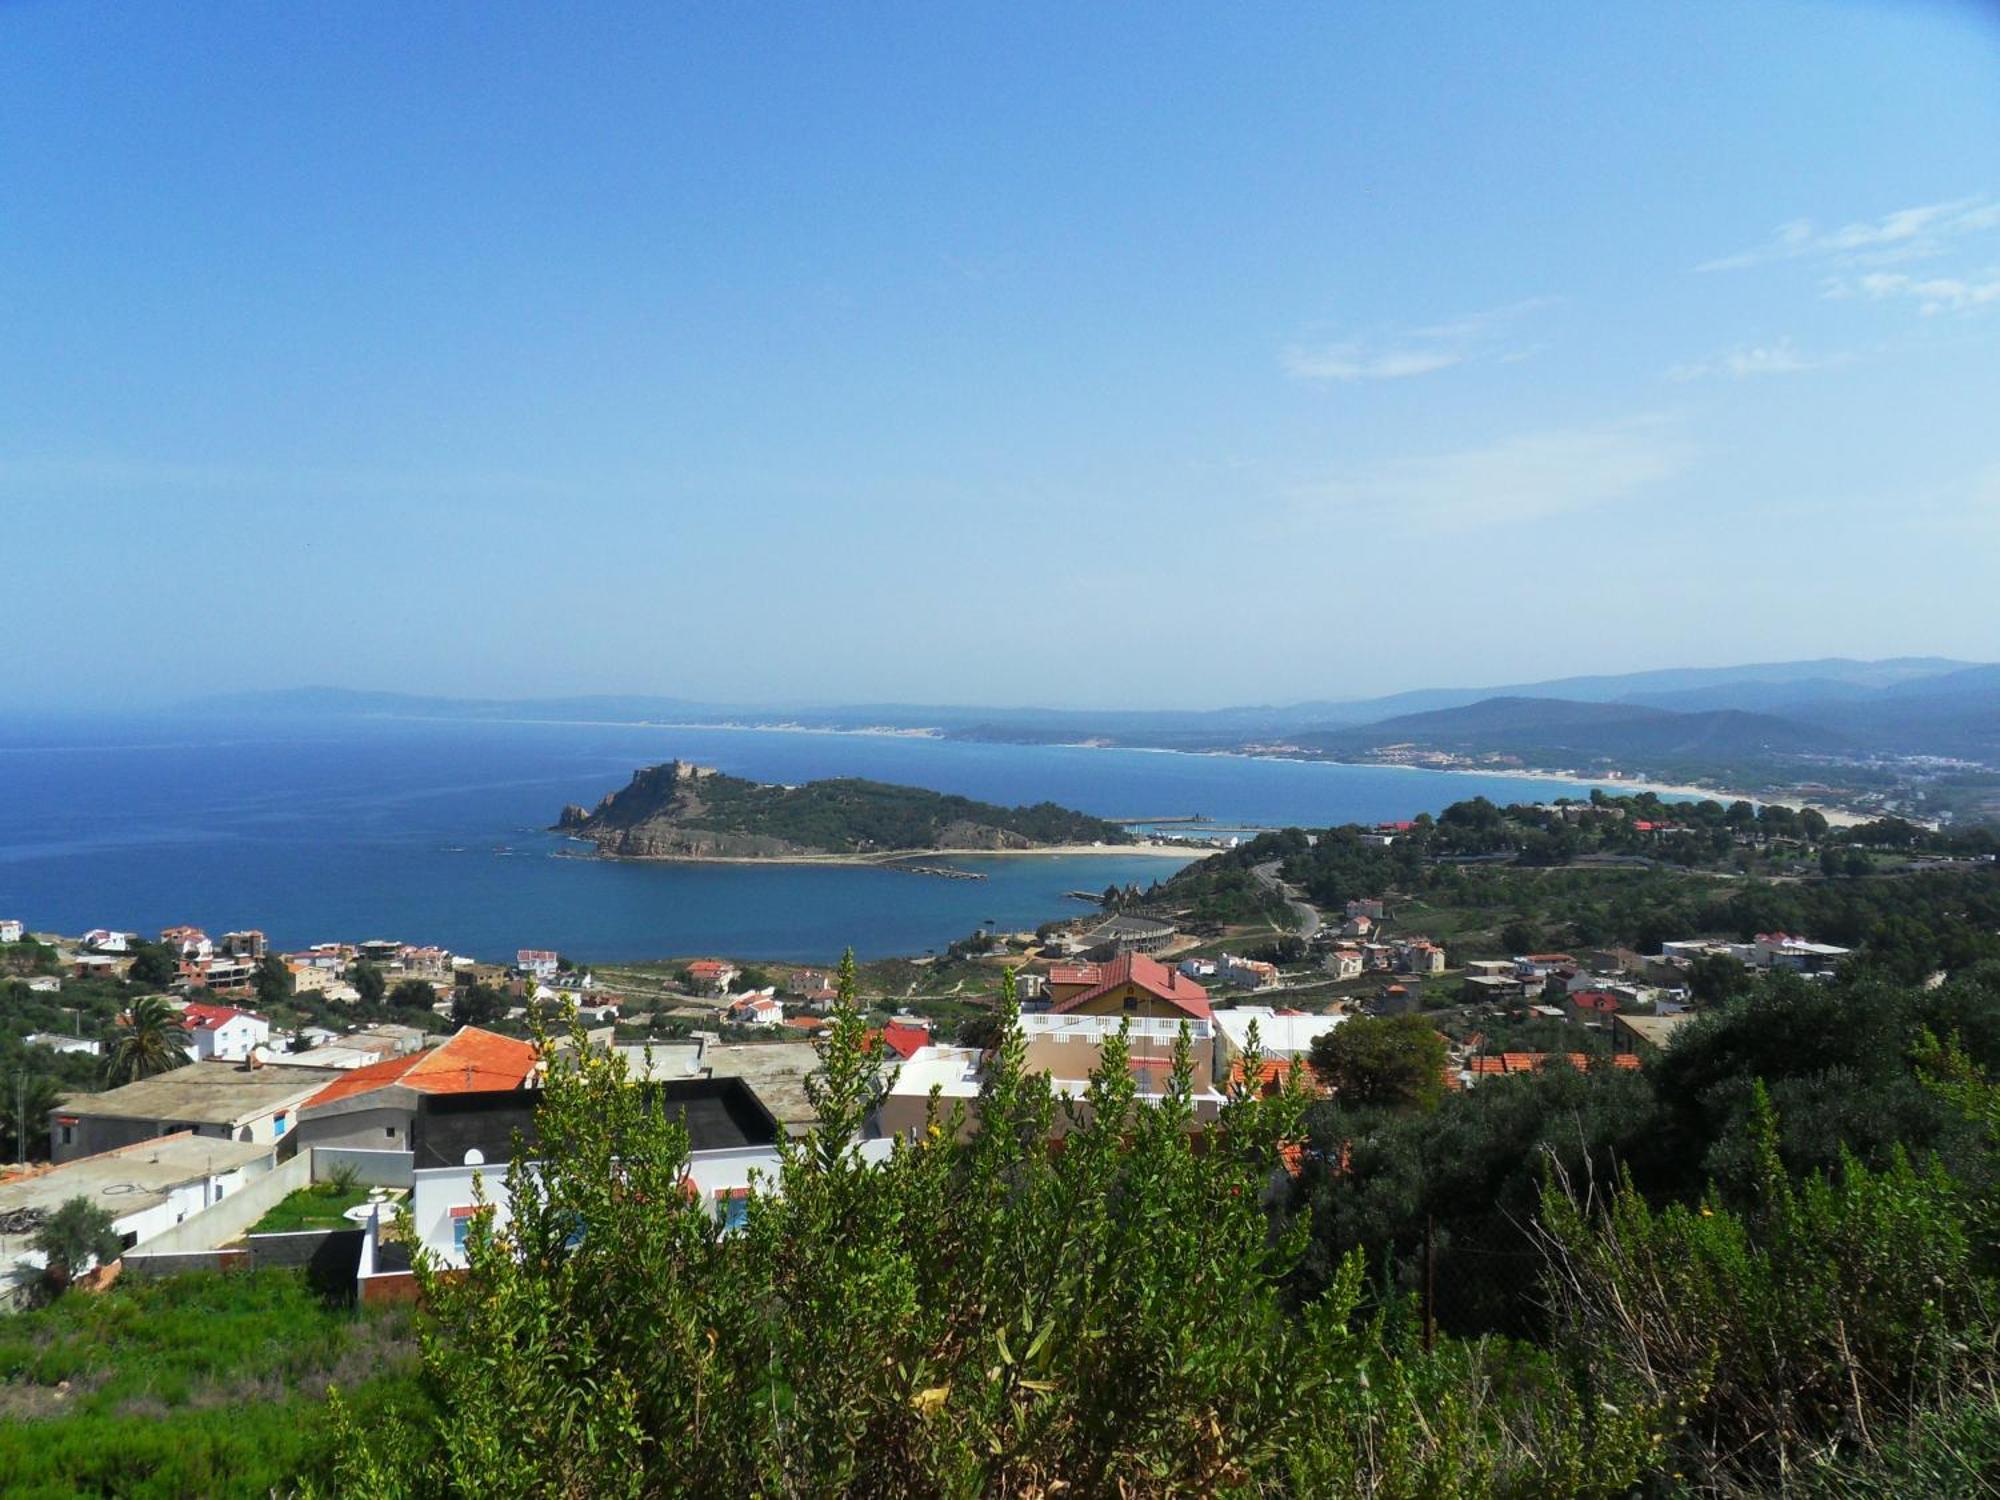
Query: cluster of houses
x,y
1080,1008
440,1121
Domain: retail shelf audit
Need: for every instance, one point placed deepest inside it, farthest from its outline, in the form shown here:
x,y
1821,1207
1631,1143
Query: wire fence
x,y
1465,1281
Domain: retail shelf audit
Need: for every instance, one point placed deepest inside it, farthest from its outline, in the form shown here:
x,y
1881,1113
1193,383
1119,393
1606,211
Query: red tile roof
x,y
1148,974
1085,974
471,1061
904,1039
204,1017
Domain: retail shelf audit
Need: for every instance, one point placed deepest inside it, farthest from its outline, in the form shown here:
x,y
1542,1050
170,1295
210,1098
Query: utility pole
x,y
20,1116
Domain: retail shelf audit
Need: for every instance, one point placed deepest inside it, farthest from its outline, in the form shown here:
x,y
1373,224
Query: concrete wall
x,y
146,1265
377,1129
329,1257
228,1219
371,1168
90,1137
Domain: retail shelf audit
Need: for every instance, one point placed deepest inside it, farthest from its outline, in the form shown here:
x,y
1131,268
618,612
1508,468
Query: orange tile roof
x,y
471,1061
1273,1072
1150,975
1533,1062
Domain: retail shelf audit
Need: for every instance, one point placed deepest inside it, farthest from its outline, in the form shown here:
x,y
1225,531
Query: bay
x,y
436,832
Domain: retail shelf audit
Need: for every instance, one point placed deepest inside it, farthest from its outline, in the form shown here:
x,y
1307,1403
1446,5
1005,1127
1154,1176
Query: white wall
x,y
438,1190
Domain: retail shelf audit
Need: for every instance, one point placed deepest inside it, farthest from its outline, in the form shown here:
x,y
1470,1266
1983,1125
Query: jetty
x,y
942,872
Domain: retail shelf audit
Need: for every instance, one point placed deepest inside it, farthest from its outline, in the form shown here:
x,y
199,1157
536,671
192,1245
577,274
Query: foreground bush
x,y
1816,1341
981,1315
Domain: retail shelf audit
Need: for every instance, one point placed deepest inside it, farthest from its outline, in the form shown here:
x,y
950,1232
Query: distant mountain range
x,y
1687,717
1555,731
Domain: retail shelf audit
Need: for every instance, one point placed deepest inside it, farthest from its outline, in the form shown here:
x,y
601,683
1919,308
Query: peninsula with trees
x,y
684,811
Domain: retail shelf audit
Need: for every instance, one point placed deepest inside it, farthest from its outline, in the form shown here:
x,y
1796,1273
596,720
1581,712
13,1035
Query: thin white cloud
x,y
1403,353
1354,361
1906,234
1530,477
1932,294
1748,361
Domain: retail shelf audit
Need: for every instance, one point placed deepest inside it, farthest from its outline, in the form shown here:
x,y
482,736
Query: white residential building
x,y
1253,973
55,1041
147,1188
1281,1034
223,1033
538,963
1343,963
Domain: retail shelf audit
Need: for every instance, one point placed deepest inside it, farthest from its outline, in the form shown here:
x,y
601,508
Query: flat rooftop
x,y
132,1178
775,1071
1659,1030
1277,1035
953,1071
203,1093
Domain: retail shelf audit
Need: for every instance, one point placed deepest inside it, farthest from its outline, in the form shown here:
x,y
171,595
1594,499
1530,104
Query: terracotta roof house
x,y
371,1108
1134,984
223,1031
903,1038
712,974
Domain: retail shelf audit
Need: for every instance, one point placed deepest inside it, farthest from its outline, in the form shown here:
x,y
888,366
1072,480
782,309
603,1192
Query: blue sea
x,y
436,832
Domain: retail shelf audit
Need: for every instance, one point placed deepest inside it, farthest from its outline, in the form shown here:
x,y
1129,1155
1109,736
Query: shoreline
x,y
1835,815
1150,849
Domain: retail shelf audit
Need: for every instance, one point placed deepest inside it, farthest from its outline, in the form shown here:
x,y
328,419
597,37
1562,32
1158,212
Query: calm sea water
x,y
435,832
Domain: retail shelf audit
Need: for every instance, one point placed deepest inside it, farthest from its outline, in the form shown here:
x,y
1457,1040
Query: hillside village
x,y
370,1063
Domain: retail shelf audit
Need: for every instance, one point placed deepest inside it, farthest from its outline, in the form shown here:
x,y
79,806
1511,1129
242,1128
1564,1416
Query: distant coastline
x,y
1836,815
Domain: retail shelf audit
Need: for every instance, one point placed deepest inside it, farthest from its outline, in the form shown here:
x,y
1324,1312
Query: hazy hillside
x,y
1556,728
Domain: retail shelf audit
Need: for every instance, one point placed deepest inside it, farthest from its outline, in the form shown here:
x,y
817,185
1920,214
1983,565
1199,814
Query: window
x,y
732,1206
389,1131
278,1123
461,1220
69,1135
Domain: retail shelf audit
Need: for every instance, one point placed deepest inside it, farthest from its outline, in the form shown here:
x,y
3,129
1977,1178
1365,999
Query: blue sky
x,y
1064,354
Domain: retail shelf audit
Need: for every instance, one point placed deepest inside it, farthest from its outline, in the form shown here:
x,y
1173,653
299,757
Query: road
x,y
1267,876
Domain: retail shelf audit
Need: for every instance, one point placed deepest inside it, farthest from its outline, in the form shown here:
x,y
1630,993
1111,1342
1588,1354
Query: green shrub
x,y
1797,1331
979,1315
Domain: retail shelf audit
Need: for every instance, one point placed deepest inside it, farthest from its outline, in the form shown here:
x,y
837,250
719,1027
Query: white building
x,y
1343,963
1253,973
148,1188
538,963
11,931
104,940
55,1041
223,1033
1281,1034
757,1008
462,1147
1781,950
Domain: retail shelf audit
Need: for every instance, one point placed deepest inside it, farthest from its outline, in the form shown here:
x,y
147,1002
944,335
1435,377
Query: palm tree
x,y
148,1042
